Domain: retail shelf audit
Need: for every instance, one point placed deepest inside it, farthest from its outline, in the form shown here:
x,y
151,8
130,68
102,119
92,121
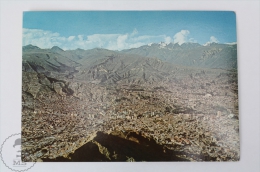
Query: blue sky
x,y
117,30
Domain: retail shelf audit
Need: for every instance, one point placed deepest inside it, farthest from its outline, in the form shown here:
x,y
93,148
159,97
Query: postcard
x,y
126,86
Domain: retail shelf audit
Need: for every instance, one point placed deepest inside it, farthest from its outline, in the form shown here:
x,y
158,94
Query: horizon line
x,y
204,45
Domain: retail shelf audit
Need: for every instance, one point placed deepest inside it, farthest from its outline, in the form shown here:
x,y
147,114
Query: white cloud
x,y
81,37
168,40
181,37
135,32
213,39
121,41
231,43
71,38
47,39
43,39
192,40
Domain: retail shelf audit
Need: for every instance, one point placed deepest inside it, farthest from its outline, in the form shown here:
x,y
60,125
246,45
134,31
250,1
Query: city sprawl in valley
x,y
157,102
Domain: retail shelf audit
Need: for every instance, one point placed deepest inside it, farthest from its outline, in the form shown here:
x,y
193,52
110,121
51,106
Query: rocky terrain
x,y
191,54
102,105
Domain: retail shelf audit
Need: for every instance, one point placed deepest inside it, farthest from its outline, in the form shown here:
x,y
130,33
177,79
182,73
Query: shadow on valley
x,y
108,147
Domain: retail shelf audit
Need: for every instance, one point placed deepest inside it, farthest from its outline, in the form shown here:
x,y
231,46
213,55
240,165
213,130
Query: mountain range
x,y
148,63
191,54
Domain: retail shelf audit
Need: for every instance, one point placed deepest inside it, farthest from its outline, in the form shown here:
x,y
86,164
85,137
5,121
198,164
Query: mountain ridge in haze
x,y
127,66
212,55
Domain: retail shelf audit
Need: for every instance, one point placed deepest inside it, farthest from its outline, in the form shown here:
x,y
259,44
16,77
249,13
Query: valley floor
x,y
193,118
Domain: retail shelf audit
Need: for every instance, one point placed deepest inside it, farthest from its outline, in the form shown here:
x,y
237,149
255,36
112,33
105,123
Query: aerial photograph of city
x,y
126,86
